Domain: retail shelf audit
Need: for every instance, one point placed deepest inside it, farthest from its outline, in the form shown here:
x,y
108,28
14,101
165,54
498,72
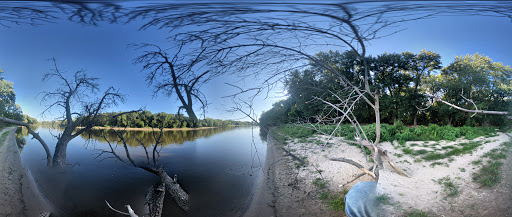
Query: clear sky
x,y
103,52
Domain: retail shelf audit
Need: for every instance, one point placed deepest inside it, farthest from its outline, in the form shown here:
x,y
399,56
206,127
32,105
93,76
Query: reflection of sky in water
x,y
218,171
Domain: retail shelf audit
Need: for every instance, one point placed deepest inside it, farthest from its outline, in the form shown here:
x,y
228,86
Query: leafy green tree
x,y
8,106
476,81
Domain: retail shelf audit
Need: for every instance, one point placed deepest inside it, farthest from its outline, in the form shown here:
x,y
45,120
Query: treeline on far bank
x,y
146,119
404,82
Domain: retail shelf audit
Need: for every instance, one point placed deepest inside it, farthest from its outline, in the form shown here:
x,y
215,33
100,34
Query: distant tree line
x,y
405,82
146,119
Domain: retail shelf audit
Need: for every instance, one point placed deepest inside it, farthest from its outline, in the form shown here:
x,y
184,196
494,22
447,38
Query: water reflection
x,y
149,137
217,170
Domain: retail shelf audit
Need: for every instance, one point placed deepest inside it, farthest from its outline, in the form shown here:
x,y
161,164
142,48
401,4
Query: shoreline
x,y
148,129
19,195
281,192
263,200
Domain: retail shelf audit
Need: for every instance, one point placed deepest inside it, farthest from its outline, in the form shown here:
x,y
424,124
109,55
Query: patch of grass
x,y
477,162
383,199
319,183
496,154
420,152
334,201
435,164
449,187
448,147
4,137
407,150
416,213
466,148
489,174
433,156
399,155
462,169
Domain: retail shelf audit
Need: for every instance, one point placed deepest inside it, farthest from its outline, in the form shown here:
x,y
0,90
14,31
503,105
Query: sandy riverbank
x,y
282,192
19,194
287,190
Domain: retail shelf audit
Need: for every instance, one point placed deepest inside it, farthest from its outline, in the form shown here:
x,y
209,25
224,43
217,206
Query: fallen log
x,y
155,200
172,186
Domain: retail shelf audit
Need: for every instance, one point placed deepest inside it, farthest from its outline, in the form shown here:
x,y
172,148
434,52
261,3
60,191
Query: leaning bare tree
x,y
155,197
79,111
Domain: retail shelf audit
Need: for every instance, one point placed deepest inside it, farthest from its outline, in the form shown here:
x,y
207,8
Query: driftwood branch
x,y
130,211
368,172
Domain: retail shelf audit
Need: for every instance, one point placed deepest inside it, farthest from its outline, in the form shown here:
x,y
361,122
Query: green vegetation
x,y
334,201
394,132
383,199
319,183
403,79
449,187
4,137
146,119
416,213
489,174
466,148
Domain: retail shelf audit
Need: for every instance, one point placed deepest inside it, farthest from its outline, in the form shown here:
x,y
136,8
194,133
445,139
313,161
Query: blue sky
x,y
103,52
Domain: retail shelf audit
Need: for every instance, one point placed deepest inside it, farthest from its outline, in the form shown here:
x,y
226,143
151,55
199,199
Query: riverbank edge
x,y
264,200
33,201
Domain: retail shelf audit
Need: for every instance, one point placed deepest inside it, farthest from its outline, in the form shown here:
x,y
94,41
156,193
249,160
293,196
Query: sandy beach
x,y
287,190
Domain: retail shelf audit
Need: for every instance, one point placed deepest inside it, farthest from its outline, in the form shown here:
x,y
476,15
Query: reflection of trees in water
x,y
21,133
148,137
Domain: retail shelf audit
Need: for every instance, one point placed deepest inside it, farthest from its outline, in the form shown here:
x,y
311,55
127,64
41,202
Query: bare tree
x,y
179,73
72,98
155,196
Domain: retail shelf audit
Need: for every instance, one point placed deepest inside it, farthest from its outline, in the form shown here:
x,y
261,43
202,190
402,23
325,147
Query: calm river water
x,y
218,168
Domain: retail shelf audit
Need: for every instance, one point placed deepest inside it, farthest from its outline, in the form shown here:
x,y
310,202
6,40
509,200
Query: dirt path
x,y
495,201
18,193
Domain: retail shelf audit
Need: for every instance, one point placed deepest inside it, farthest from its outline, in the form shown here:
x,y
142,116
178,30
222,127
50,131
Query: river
x,y
217,167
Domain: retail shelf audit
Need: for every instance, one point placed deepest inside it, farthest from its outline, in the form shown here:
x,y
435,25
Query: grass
x,y
319,183
490,174
466,149
416,213
4,137
436,164
449,187
334,201
397,131
383,199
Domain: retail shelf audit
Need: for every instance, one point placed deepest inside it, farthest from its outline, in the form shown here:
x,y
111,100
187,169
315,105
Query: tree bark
x,y
377,120
155,200
172,186
59,157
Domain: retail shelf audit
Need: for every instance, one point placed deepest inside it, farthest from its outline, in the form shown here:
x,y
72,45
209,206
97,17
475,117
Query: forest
x,y
407,83
146,119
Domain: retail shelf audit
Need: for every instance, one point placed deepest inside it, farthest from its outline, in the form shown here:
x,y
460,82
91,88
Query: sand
x,y
19,195
287,190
